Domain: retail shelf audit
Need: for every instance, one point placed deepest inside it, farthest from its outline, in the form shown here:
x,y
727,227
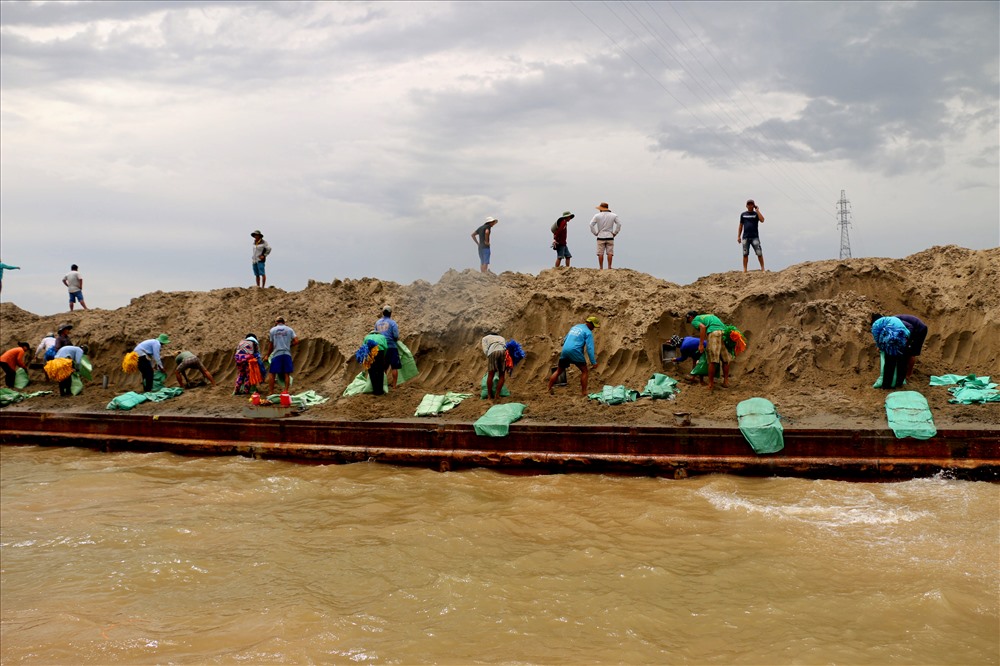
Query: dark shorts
x,y
751,242
496,361
565,362
915,342
562,252
281,365
75,296
392,358
193,363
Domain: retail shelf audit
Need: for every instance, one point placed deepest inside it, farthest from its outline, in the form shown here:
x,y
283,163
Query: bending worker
x,y
579,339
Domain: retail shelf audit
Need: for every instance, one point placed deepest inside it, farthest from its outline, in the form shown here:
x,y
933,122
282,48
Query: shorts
x,y
565,362
281,365
193,363
496,361
562,252
484,256
75,296
747,243
605,245
716,350
392,358
258,268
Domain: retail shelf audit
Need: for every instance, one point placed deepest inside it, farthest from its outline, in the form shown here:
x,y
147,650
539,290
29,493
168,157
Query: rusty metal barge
x,y
676,452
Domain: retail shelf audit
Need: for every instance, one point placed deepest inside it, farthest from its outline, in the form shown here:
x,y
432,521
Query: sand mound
x,y
810,351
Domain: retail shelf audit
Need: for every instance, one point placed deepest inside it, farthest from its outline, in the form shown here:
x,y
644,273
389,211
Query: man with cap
x,y
560,232
387,327
580,339
149,359
261,248
279,349
710,330
605,226
481,236
748,235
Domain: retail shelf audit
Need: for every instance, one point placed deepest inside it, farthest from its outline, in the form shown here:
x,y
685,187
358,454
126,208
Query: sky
x,y
144,141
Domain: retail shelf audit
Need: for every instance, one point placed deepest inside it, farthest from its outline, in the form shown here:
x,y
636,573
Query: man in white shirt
x,y
74,282
605,226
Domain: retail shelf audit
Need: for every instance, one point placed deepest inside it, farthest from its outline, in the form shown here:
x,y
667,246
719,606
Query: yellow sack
x,y
131,362
59,369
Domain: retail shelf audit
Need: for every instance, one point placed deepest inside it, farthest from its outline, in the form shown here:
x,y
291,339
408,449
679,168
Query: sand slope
x,y
810,351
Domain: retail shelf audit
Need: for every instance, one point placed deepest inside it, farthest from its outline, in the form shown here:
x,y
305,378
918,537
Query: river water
x,y
156,558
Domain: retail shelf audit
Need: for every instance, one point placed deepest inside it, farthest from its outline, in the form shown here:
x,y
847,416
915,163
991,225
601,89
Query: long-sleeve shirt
x,y
4,267
260,251
71,352
14,357
605,225
579,339
150,347
44,345
390,329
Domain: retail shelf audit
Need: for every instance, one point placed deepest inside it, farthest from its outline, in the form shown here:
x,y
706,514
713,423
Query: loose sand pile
x,y
810,351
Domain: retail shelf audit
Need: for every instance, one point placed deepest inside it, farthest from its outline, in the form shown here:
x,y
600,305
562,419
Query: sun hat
x,y
257,233
64,327
50,334
491,219
603,206
594,321
163,339
567,215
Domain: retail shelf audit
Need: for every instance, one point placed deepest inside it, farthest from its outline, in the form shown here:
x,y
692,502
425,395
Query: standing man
x,y
258,257
748,234
579,339
280,341
387,327
560,233
74,282
605,226
149,359
710,330
481,236
6,267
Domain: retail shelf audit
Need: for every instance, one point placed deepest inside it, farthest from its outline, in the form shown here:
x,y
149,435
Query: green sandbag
x,y
159,380
504,393
75,384
21,379
761,425
614,395
302,400
163,394
409,364
496,421
86,369
10,396
127,401
432,405
660,386
909,415
701,367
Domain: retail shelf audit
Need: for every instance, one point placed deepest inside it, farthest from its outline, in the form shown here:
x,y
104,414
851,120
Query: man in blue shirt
x,y
74,354
688,349
387,327
149,358
579,339
748,235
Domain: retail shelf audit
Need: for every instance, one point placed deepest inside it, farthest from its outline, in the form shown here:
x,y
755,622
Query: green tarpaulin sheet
x,y
951,380
127,401
909,415
302,400
970,390
504,392
761,425
361,383
496,422
615,395
10,396
432,405
660,387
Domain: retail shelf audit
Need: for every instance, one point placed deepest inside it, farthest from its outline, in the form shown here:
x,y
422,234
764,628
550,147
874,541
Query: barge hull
x,y
677,452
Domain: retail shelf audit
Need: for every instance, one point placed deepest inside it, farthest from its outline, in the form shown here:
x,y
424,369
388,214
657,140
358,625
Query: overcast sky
x,y
144,141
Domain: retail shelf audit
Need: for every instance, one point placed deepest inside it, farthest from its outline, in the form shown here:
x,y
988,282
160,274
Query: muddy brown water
x,y
157,558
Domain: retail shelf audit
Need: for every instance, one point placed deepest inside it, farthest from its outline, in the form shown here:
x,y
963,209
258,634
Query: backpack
x,y
555,226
